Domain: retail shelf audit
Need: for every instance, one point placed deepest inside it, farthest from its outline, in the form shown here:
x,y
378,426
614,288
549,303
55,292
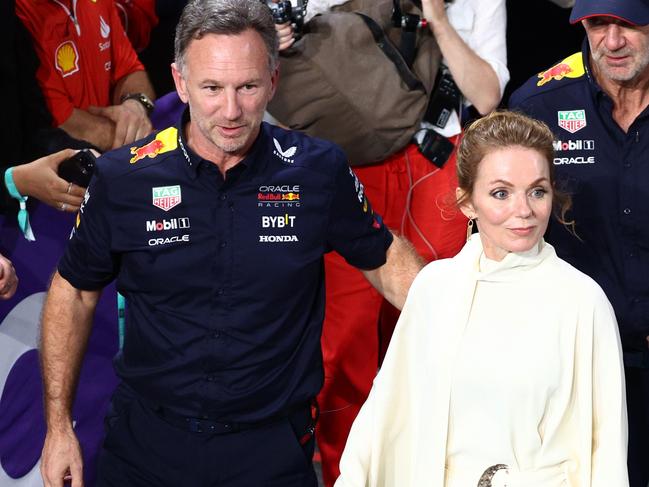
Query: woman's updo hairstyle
x,y
502,129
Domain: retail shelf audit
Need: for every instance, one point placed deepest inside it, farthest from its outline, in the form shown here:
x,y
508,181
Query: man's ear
x,y
179,81
274,78
466,207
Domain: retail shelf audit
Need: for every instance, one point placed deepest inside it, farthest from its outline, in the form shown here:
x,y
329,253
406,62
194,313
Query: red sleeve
x,y
125,60
51,83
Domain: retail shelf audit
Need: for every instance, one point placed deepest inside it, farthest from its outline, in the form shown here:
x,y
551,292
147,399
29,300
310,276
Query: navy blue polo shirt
x,y
223,278
606,170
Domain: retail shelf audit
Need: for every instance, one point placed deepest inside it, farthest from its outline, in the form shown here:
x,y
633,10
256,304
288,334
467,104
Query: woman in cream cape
x,y
505,367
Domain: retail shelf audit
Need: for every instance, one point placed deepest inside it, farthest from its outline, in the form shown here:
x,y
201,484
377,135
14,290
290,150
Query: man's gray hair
x,y
225,17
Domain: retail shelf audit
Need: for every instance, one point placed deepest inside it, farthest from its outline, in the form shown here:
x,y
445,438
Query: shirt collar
x,y
592,82
252,160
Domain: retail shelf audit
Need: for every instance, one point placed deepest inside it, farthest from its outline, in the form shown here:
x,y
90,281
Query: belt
x,y
207,425
501,475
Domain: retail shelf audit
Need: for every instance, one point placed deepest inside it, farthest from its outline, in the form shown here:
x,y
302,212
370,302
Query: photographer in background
x,y
412,193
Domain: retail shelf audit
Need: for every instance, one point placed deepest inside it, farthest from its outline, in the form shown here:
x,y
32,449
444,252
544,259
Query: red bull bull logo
x,y
571,67
555,72
290,196
165,141
151,150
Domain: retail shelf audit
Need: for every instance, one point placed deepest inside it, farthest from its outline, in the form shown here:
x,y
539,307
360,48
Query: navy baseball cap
x,y
632,11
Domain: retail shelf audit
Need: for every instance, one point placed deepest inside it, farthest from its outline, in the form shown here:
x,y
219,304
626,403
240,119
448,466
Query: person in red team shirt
x,y
94,85
138,18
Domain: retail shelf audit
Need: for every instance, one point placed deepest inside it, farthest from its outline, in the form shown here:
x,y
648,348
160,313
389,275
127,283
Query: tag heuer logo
x,y
572,120
166,197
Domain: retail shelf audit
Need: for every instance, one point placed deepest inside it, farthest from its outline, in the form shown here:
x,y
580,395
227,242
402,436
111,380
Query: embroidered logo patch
x,y
284,155
66,58
166,197
571,67
572,120
165,141
104,28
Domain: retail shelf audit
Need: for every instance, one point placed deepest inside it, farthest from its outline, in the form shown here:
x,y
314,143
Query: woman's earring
x,y
469,228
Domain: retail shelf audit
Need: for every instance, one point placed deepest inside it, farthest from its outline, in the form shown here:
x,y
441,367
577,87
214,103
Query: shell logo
x,y
67,58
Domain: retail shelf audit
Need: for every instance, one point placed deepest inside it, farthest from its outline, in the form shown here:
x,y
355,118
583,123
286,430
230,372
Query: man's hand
x,y
130,119
285,35
61,459
8,278
65,328
434,12
39,179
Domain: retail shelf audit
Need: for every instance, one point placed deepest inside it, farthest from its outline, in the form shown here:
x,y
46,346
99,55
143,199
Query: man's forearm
x,y
136,82
65,328
475,78
98,130
393,279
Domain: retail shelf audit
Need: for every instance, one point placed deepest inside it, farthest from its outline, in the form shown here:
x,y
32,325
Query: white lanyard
x,y
72,15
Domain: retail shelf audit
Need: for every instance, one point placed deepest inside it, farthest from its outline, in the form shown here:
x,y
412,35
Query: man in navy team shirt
x,y
215,231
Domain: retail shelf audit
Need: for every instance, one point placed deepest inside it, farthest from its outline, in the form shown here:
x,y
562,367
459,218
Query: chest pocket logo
x,y
67,58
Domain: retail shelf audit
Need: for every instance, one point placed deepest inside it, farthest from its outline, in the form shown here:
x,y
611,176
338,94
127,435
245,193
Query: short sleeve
x,y
354,230
88,262
485,32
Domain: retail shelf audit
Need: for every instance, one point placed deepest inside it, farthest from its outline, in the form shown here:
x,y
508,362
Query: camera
x,y
78,168
284,11
436,148
445,98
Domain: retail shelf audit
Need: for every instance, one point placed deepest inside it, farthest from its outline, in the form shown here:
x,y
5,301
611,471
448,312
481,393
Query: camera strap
x,y
408,23
392,53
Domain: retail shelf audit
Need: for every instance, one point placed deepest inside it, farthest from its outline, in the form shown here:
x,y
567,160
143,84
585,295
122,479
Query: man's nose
x,y
232,108
614,38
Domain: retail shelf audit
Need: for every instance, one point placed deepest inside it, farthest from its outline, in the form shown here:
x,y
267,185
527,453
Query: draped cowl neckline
x,y
511,268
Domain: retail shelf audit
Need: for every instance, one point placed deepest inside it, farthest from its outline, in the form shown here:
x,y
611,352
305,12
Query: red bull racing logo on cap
x,y
165,141
571,67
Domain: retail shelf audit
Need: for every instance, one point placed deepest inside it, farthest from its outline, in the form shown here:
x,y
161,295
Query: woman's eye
x,y
538,193
501,194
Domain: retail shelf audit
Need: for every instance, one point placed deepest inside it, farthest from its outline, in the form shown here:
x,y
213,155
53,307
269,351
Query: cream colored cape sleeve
x,y
399,436
379,439
609,422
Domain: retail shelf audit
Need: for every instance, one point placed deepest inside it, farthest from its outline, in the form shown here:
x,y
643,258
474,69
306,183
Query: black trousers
x,y
637,398
142,448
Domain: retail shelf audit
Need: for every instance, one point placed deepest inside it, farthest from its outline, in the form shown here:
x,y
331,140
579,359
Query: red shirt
x,y
138,18
83,52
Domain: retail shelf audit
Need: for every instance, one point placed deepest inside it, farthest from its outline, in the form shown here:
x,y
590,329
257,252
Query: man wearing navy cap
x,y
597,104
214,230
